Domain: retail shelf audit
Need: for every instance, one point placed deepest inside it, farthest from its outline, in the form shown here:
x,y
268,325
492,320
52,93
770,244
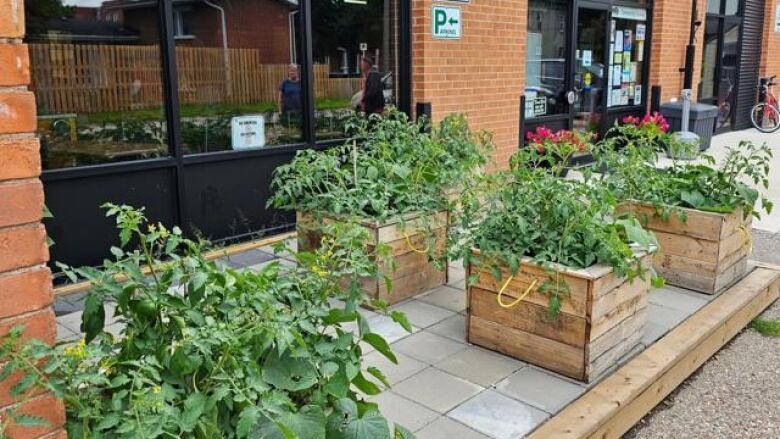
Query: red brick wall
x,y
482,74
670,33
770,53
25,281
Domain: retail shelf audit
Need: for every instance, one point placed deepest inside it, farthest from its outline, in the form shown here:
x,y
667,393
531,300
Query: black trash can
x,y
702,121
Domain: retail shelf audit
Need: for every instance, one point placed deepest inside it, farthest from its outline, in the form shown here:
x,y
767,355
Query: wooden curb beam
x,y
68,289
613,406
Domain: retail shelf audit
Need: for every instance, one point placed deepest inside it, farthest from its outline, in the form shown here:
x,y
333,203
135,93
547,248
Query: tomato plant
x,y
211,352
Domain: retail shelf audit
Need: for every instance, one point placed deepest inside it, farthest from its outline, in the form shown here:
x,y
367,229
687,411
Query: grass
x,y
769,328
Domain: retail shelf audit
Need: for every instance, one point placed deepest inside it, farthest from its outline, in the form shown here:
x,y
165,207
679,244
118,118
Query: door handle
x,y
571,96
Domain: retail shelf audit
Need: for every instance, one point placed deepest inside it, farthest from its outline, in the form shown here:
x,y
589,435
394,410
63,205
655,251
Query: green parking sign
x,y
446,22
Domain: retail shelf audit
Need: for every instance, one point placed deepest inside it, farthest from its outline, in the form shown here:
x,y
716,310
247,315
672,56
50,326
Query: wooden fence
x,y
87,78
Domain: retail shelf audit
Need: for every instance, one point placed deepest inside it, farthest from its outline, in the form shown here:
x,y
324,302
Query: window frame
x,y
177,158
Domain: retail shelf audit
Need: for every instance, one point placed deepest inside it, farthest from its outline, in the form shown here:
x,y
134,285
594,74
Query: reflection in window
x,y
97,79
709,60
355,46
239,86
546,58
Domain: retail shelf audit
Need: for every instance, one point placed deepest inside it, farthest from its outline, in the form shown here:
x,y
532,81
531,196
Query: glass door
x,y
590,69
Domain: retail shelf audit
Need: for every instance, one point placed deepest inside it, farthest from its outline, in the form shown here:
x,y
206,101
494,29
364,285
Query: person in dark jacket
x,y
373,90
289,101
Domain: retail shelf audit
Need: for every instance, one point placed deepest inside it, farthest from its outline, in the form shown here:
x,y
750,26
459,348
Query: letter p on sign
x,y
446,22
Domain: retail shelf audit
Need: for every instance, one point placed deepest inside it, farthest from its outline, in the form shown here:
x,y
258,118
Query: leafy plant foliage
x,y
210,352
391,166
528,212
634,174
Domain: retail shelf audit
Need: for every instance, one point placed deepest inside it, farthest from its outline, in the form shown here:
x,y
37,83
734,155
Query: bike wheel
x,y
765,117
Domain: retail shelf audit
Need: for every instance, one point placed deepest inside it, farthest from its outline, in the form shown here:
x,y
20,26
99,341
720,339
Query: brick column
x,y
670,33
482,74
25,280
770,49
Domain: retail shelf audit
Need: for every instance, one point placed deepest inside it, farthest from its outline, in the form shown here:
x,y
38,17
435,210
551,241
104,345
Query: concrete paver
x,y
447,428
480,366
452,327
428,347
678,299
446,297
422,314
540,389
406,367
400,410
436,389
499,416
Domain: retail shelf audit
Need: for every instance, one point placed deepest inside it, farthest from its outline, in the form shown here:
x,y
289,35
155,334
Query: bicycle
x,y
765,115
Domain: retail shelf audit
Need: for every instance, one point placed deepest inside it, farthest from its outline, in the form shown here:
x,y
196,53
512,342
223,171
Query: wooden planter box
x,y
407,264
601,320
707,252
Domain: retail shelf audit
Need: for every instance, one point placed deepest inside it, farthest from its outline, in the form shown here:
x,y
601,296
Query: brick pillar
x,y
482,74
25,280
770,49
670,33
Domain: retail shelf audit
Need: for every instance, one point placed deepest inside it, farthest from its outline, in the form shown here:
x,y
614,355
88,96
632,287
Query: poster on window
x,y
616,75
615,96
637,95
627,41
247,131
618,41
640,50
640,32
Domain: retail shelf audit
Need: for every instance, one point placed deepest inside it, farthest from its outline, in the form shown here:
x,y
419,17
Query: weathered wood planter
x,y
601,319
707,252
407,263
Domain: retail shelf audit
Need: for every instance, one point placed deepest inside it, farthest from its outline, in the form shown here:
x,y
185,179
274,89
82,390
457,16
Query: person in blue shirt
x,y
289,101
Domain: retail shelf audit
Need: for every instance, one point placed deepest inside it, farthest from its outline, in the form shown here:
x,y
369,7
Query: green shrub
x,y
210,352
634,174
391,166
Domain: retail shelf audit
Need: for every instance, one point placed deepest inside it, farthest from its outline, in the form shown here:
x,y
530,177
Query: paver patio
x,y
442,386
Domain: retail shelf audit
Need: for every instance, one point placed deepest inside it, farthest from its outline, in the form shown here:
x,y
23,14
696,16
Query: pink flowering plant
x,y
650,131
552,149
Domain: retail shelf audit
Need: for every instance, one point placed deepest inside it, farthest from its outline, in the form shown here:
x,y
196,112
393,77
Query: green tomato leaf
x,y
371,425
288,373
194,406
94,318
381,345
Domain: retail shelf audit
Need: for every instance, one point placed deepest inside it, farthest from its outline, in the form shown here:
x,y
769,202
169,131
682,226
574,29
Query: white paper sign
x,y
638,95
640,32
777,19
248,131
619,41
587,58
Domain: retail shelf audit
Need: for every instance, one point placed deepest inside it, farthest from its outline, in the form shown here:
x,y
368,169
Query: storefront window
x,y
545,88
96,75
627,51
239,81
355,46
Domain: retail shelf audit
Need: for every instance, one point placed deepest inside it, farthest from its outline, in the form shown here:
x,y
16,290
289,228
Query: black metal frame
x,y
62,183
609,113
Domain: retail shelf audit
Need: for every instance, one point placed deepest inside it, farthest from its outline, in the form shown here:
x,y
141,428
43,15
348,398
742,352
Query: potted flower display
x,y
396,179
554,150
210,352
701,213
650,132
555,277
